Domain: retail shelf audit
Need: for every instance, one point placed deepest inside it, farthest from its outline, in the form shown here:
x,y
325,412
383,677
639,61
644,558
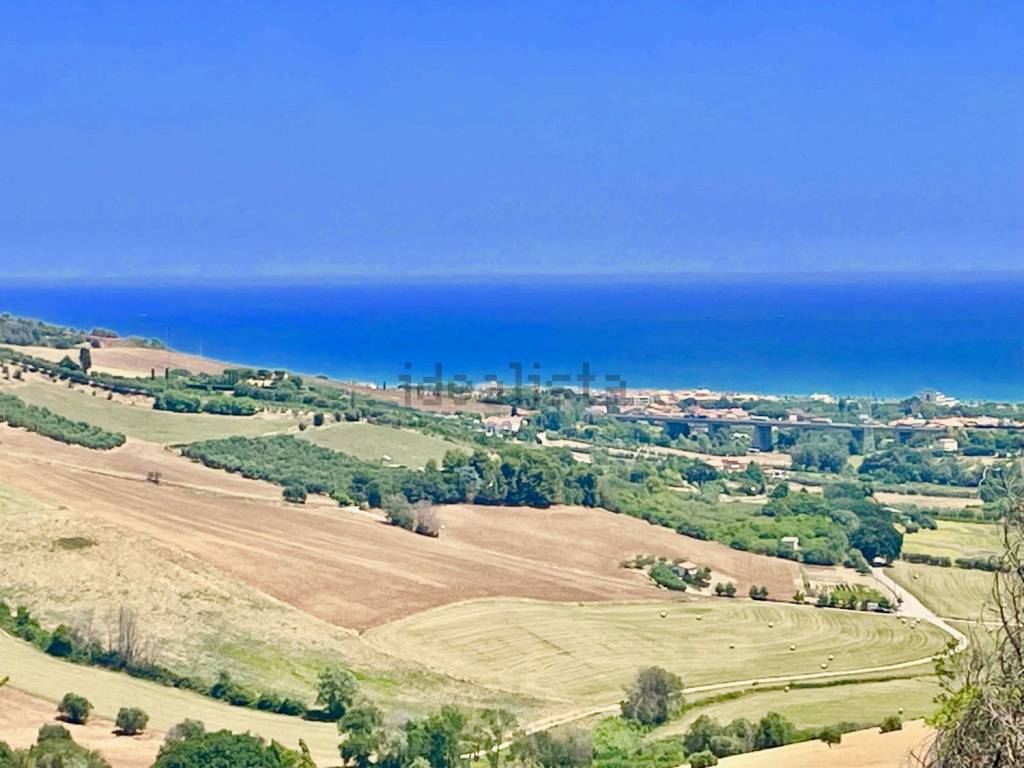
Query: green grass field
x,y
954,593
373,441
587,653
956,539
142,422
862,703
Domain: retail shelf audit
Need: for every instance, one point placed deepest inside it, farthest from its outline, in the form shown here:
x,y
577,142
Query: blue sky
x,y
254,140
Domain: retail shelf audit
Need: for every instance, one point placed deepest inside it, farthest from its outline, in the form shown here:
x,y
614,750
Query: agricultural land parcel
x,y
372,442
141,421
957,540
587,653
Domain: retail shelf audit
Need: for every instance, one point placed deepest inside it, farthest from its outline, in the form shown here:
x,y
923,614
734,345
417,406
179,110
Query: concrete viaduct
x,y
764,429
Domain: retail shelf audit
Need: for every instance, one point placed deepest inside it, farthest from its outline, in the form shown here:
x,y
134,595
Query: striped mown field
x,y
953,593
586,653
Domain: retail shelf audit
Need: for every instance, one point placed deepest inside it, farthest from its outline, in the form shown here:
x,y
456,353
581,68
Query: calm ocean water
x,y
853,338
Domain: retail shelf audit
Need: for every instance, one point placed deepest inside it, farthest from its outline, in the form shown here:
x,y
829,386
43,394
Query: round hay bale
x,y
824,665
786,689
664,614
792,647
771,625
732,645
831,657
699,617
901,710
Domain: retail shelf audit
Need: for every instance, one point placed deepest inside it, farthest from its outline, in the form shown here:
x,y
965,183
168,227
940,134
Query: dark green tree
x,y
439,738
131,720
653,696
830,735
877,537
772,731
361,725
74,708
336,690
570,748
223,749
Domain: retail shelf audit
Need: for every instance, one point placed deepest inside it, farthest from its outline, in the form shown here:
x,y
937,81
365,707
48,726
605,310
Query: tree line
x,y
510,474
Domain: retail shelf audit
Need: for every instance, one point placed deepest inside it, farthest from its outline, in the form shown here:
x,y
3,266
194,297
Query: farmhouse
x,y
496,424
685,568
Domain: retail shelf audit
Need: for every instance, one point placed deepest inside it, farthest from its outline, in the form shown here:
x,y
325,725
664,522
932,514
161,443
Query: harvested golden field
x,y
119,358
68,566
352,569
44,677
74,569
862,749
586,653
131,462
21,715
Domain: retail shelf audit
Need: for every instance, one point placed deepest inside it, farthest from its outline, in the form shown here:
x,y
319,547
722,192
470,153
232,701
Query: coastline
x,y
887,341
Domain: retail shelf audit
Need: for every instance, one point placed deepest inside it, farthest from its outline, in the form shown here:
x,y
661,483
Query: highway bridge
x,y
764,428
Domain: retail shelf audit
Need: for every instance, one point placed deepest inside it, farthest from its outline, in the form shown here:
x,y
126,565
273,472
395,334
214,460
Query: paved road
x,y
911,607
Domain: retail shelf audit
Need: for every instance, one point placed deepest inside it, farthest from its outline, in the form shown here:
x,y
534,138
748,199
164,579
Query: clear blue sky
x,y
299,138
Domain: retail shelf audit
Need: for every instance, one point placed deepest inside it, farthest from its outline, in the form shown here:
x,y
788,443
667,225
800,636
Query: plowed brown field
x,y
350,568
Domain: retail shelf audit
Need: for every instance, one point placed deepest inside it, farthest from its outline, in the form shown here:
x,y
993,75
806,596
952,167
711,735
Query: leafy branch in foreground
x,y
980,722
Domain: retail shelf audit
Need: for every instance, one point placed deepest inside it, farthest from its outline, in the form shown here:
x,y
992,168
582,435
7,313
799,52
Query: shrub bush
x,y
892,723
74,708
703,759
131,720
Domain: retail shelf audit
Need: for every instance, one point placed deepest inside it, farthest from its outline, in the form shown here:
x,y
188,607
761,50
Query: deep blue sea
x,y
859,337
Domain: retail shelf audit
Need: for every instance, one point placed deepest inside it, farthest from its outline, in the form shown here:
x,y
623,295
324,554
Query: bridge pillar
x,y
763,438
865,439
676,428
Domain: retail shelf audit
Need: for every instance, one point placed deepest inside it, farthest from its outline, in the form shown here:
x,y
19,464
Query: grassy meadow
x,y
141,421
816,707
372,442
956,539
954,593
